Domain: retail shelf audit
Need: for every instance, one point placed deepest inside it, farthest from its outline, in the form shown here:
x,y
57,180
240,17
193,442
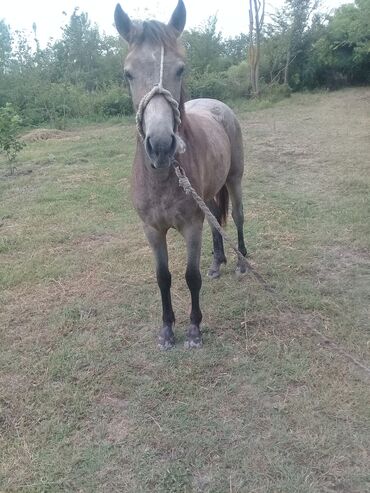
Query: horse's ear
x,y
123,23
178,18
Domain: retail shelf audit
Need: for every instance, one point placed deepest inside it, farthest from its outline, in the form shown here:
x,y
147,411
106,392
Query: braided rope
x,y
157,89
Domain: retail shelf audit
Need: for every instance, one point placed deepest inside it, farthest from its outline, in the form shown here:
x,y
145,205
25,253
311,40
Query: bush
x,y
9,128
208,85
275,92
238,81
40,101
114,102
232,84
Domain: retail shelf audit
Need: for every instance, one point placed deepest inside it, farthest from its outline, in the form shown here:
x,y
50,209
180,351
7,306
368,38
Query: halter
x,y
159,89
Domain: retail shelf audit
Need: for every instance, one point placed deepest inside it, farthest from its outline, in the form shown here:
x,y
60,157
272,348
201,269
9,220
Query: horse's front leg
x,y
157,240
193,237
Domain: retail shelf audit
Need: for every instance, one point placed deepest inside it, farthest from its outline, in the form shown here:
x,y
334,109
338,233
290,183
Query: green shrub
x,y
40,101
275,92
10,123
238,81
208,85
113,102
232,84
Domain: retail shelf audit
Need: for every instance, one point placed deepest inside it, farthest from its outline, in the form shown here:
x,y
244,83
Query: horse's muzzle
x,y
161,150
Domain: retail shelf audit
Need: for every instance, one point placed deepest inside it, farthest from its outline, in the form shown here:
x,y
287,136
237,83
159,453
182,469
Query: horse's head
x,y
147,40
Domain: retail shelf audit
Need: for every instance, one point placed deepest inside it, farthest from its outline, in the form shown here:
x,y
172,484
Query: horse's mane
x,y
156,33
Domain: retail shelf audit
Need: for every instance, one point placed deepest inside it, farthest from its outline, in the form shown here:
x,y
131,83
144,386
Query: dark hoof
x,y
214,270
241,270
214,274
193,338
241,267
166,339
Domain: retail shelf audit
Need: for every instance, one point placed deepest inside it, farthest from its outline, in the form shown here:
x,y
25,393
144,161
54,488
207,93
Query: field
x,y
87,402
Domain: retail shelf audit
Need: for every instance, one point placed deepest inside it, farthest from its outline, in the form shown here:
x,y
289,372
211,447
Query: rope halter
x,y
159,89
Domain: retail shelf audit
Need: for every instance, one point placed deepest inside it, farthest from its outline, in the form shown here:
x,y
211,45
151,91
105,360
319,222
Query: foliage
x,y
236,48
209,84
205,49
238,80
306,49
113,102
342,53
9,129
80,75
5,46
286,40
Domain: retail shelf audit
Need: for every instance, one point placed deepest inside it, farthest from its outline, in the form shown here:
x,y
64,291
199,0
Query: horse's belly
x,y
215,159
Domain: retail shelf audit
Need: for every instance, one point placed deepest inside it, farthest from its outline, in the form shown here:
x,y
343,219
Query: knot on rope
x,y
183,179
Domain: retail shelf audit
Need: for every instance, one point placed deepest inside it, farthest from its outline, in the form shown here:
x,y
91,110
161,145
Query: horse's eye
x,y
180,71
128,74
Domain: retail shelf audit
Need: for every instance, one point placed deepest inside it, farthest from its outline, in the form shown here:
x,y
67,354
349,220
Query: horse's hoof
x,y
193,338
166,345
193,343
166,338
241,270
214,274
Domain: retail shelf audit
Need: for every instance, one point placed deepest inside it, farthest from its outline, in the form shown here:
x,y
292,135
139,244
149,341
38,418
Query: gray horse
x,y
207,144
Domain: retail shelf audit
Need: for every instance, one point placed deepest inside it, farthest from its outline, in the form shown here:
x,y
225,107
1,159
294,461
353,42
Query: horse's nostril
x,y
160,147
149,146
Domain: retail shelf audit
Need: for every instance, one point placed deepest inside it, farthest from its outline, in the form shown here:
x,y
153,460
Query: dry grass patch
x,y
41,134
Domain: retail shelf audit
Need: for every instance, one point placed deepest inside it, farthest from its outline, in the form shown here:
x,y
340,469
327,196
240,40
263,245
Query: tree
x,y
77,53
256,19
5,46
290,23
343,50
236,49
205,49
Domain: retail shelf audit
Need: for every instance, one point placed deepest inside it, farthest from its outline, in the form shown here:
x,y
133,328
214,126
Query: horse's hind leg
x,y
157,240
235,191
218,244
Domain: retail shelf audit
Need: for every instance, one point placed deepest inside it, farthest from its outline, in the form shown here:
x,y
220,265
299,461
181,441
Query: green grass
x,y
88,404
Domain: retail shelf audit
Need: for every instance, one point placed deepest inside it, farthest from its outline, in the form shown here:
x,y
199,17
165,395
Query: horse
x,y
203,136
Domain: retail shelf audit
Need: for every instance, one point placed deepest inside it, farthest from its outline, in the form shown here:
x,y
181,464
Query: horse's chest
x,y
163,209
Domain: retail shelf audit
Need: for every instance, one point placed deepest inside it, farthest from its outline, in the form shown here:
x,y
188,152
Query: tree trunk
x,y
251,47
286,69
256,18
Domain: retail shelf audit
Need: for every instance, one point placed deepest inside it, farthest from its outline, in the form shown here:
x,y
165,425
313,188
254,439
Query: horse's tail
x,y
222,200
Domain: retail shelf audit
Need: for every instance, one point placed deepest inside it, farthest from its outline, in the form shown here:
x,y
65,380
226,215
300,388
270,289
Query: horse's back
x,y
225,116
219,111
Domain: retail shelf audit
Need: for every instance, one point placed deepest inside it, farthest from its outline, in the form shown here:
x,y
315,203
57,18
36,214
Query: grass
x,y
88,404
